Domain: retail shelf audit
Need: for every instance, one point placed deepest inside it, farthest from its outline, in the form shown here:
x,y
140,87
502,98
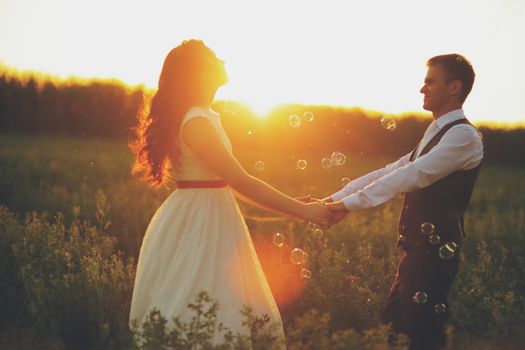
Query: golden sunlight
x,y
333,54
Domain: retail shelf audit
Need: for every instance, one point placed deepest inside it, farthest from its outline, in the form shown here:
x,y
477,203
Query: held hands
x,y
323,212
317,212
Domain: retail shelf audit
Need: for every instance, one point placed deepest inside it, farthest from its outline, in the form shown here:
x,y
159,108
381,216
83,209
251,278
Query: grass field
x,y
65,284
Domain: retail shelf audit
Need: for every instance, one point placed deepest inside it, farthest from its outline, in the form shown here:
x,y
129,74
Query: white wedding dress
x,y
198,241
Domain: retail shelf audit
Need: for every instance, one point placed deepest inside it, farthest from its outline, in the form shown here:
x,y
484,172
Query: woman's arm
x,y
201,136
248,200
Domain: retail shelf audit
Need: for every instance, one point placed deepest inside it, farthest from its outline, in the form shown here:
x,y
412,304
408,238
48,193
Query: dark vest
x,y
441,204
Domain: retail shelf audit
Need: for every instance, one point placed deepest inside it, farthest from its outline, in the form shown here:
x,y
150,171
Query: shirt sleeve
x,y
363,181
460,149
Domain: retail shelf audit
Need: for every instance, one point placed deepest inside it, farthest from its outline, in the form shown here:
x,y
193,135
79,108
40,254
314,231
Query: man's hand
x,y
338,211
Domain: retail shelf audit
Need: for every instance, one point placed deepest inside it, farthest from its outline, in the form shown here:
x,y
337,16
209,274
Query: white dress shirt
x,y
460,148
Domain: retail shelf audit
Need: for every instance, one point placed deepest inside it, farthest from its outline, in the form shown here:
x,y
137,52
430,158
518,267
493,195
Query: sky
x,y
349,53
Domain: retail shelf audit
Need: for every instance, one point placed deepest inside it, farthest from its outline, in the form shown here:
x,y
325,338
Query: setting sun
x,y
337,53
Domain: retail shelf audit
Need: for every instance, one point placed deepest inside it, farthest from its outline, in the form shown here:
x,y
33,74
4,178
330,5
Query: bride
x,y
197,239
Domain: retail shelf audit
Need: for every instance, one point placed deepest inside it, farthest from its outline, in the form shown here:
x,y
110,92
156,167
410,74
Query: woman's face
x,y
217,72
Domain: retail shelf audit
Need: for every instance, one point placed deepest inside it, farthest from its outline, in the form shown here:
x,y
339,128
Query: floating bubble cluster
x,y
337,158
295,120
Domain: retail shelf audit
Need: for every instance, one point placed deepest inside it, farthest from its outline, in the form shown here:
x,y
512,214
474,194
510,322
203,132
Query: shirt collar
x,y
449,117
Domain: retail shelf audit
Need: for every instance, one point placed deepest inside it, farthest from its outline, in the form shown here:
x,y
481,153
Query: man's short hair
x,y
457,67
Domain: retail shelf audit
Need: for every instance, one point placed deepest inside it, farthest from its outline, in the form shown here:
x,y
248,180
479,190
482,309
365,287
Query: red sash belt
x,y
201,184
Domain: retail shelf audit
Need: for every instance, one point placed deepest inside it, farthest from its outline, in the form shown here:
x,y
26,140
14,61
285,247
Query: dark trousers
x,y
421,270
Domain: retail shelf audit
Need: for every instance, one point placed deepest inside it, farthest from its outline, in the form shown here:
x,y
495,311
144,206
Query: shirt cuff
x,y
338,195
352,202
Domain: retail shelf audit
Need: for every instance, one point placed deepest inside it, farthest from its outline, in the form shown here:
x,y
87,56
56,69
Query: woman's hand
x,y
308,199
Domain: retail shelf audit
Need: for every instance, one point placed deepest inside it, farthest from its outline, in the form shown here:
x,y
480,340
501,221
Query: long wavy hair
x,y
190,76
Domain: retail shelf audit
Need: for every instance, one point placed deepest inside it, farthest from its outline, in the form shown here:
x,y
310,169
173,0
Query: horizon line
x,y
42,77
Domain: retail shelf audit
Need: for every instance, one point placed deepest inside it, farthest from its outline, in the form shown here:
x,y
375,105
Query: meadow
x,y
72,220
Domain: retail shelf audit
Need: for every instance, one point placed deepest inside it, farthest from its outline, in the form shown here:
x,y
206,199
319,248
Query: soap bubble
x,y
344,181
259,165
434,239
278,239
388,123
305,273
294,121
440,308
318,233
420,298
447,250
301,164
298,256
326,163
338,158
311,226
427,228
308,116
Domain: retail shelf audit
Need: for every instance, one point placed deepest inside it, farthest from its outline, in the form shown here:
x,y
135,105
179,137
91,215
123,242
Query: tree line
x,y
109,108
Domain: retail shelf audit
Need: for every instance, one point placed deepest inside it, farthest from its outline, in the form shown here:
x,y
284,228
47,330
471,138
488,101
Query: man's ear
x,y
455,87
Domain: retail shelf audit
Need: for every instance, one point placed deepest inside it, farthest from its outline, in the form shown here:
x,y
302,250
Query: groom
x,y
437,179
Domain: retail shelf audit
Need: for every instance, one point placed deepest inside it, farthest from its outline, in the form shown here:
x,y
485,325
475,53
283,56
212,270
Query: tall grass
x,y
76,219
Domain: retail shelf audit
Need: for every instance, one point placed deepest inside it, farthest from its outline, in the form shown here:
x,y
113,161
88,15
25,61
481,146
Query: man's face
x,y
436,90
